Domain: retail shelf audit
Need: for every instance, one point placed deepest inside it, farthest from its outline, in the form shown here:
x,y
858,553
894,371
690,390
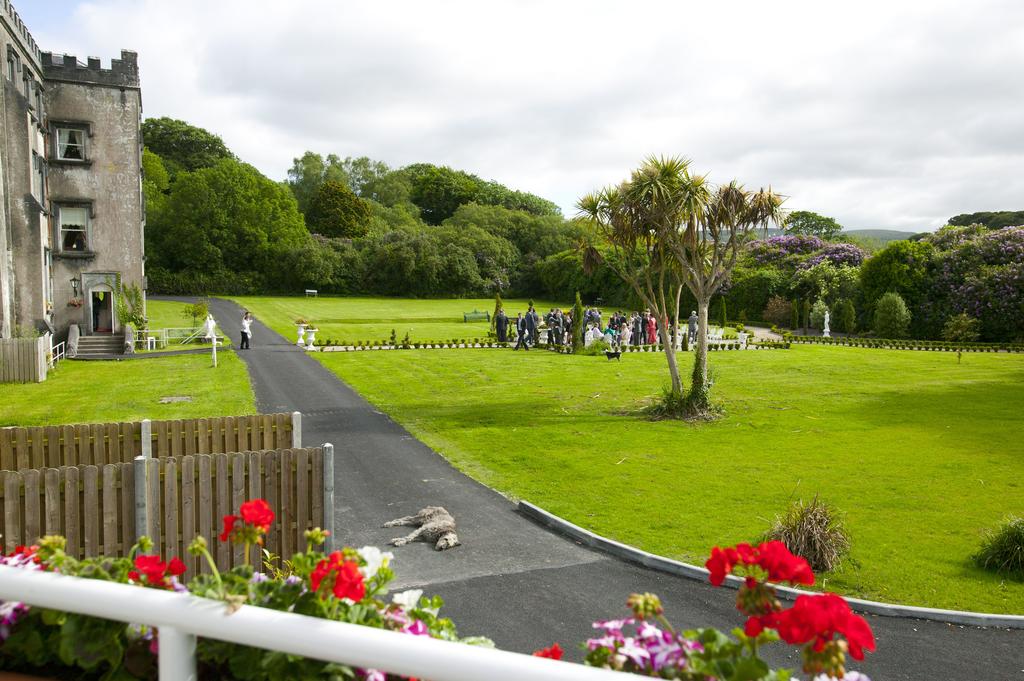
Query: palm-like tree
x,y
707,250
639,219
669,229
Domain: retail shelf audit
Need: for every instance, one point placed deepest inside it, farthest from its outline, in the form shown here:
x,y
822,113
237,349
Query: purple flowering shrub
x,y
778,249
983,276
837,254
950,236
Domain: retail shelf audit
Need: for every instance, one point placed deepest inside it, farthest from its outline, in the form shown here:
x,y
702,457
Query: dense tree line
x,y
356,226
346,226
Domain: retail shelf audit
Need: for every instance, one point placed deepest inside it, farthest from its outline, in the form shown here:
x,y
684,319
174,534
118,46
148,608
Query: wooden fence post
x,y
296,430
141,501
328,483
147,438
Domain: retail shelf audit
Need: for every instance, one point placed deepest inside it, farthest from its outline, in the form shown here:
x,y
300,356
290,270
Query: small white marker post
x,y
211,334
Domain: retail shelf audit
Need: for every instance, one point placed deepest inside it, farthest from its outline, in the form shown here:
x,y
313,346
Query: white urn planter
x,y
302,331
310,337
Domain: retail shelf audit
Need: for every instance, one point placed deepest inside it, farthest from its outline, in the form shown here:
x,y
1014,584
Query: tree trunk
x,y
670,356
675,320
698,398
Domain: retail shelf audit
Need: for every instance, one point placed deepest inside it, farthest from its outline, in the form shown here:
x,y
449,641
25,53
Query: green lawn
x,y
169,314
921,453
98,392
372,319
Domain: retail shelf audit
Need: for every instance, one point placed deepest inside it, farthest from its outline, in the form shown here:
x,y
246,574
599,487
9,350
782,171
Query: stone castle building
x,y
71,206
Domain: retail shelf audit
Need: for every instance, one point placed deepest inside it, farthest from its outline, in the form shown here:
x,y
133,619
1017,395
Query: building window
x,y
13,66
73,228
71,144
38,177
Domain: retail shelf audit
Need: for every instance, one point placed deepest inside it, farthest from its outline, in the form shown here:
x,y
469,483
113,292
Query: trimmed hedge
x,y
907,344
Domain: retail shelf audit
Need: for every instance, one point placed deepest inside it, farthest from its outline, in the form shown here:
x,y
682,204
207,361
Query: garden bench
x,y
311,293
476,316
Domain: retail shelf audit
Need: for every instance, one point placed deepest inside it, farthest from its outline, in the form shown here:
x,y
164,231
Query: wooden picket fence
x,y
107,443
24,360
102,510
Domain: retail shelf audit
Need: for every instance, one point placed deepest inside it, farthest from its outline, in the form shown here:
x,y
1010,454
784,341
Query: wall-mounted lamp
x,y
74,285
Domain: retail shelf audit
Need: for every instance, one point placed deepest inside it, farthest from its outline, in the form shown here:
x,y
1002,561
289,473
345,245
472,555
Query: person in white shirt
x,y
246,331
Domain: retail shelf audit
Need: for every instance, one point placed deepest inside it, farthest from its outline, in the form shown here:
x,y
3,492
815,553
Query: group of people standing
x,y
639,328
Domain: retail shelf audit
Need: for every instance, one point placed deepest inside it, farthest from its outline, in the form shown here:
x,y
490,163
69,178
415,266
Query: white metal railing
x,y
180,618
57,353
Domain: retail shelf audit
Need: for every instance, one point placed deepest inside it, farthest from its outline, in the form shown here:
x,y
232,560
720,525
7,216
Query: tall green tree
x,y
806,222
335,211
311,170
228,218
903,267
439,191
991,219
183,147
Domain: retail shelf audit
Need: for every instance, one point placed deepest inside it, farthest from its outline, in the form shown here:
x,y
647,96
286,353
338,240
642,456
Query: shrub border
x,y
700,574
472,345
908,344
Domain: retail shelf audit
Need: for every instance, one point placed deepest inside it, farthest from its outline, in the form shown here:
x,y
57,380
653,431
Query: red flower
x,y
773,557
348,581
229,526
257,512
155,570
554,652
782,566
755,624
817,619
176,567
720,564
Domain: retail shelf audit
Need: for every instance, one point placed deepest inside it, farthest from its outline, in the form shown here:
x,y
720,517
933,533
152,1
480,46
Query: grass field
x,y
921,453
372,319
97,392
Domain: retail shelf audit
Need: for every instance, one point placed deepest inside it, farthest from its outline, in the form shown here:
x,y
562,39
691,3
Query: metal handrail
x,y
57,353
180,618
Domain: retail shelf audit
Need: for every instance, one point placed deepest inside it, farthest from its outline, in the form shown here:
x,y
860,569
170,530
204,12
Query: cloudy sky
x,y
891,114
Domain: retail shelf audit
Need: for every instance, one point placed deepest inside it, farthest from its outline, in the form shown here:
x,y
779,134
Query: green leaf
x,y
750,669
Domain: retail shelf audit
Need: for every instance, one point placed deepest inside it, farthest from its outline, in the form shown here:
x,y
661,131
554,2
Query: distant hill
x,y
883,235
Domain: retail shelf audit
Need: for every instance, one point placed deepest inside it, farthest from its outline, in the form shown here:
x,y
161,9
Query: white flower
x,y
407,599
375,560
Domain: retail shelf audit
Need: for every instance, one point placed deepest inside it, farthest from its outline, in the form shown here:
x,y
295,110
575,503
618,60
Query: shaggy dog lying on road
x,y
433,524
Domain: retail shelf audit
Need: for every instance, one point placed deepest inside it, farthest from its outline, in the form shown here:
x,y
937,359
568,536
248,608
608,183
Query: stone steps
x,y
92,347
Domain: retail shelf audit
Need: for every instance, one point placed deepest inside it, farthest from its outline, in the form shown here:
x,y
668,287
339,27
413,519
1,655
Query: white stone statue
x,y
211,327
825,331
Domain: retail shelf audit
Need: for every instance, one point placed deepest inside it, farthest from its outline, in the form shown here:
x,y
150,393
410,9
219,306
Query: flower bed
x,y
906,344
350,586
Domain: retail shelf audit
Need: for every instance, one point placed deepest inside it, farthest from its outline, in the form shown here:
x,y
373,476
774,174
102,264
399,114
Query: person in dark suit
x,y
531,325
501,326
638,330
523,329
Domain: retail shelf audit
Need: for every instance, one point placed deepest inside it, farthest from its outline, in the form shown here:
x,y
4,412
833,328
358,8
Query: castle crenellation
x,y
19,28
123,72
71,210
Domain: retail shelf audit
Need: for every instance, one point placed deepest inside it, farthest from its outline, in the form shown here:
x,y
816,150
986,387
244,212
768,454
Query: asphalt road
x,y
515,581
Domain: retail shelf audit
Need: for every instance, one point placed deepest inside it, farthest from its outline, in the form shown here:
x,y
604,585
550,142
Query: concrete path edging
x,y
700,574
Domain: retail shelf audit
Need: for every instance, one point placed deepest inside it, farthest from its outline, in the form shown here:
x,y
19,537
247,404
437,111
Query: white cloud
x,y
880,114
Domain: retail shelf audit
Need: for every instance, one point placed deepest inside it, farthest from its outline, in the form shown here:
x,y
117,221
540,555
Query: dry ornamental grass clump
x,y
1003,550
813,530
